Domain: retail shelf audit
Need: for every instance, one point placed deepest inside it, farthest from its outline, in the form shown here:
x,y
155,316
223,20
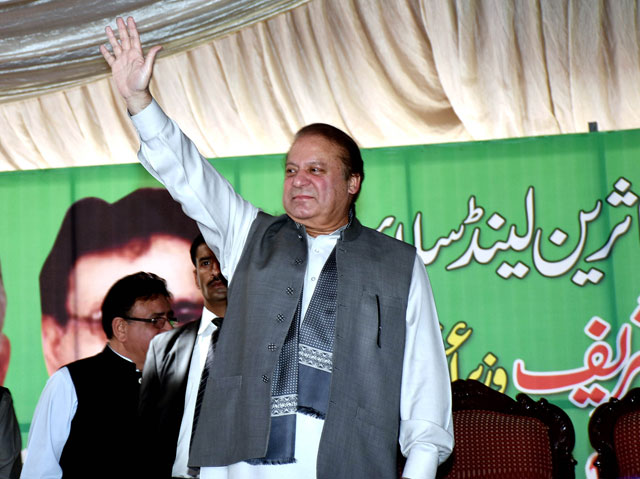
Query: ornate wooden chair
x,y
499,438
614,432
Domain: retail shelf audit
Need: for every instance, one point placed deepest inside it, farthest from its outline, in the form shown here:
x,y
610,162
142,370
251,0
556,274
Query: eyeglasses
x,y
158,323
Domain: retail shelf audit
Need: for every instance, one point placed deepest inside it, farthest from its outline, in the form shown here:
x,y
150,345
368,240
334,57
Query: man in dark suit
x,y
10,440
172,371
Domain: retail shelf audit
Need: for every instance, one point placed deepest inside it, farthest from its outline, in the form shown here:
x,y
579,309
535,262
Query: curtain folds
x,y
48,45
241,77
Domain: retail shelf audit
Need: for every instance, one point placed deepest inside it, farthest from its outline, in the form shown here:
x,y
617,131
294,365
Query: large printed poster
x,y
532,247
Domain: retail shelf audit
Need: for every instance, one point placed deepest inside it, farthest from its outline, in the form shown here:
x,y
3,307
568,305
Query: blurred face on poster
x,y
5,346
98,243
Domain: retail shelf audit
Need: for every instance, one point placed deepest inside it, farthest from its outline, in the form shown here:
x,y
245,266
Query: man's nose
x,y
300,178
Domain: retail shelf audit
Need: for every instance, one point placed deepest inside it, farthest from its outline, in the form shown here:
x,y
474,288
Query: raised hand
x,y
130,69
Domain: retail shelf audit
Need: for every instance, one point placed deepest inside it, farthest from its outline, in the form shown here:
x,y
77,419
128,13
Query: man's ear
x,y
353,184
120,329
195,277
52,334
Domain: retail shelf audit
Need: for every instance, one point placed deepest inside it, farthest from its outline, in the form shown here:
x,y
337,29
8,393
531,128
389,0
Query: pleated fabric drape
x,y
241,77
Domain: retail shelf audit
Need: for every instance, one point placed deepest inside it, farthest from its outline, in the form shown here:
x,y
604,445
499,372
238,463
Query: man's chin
x,y
299,215
217,293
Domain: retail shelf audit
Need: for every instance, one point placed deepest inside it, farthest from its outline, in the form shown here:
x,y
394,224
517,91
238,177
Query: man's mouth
x,y
302,197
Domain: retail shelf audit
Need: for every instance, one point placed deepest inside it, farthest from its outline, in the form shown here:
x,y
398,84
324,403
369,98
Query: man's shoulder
x,y
96,368
385,240
167,340
85,369
187,329
265,220
86,362
58,382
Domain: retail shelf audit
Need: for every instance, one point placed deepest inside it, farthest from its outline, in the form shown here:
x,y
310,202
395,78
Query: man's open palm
x,y
130,69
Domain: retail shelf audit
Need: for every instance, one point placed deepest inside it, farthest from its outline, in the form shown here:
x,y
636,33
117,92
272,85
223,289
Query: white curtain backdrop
x,y
242,76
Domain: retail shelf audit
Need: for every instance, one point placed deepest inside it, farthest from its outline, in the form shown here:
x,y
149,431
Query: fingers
x,y
128,45
151,57
123,33
133,34
113,41
128,37
107,55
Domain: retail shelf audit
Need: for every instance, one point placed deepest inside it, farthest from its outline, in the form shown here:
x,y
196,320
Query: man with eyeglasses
x,y
85,423
172,372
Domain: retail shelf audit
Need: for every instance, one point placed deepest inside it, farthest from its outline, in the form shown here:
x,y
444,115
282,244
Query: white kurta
x,y
51,426
224,217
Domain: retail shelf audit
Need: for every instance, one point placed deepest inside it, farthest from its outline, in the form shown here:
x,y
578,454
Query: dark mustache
x,y
218,277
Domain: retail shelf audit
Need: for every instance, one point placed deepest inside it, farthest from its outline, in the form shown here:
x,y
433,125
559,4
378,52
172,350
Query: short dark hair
x,y
92,225
195,244
351,157
124,293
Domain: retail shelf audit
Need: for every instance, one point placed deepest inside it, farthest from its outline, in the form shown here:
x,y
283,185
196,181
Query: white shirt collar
x,y
205,320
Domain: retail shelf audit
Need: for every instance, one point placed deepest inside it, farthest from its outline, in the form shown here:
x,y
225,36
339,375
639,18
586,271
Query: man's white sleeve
x,y
223,216
426,425
50,427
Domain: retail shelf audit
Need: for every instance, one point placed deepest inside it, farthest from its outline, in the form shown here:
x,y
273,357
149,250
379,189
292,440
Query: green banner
x,y
530,245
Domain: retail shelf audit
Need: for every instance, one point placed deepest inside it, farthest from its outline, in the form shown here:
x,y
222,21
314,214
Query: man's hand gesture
x,y
130,69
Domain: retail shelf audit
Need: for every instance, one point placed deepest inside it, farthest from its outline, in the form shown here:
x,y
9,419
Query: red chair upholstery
x,y
614,432
497,437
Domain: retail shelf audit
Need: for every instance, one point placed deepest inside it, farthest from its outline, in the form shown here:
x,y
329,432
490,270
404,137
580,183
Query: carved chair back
x,y
614,432
497,437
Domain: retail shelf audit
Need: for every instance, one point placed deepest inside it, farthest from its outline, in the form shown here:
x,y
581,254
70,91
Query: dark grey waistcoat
x,y
360,433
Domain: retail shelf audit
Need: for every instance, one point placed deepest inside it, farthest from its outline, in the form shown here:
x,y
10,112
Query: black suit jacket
x,y
164,383
10,439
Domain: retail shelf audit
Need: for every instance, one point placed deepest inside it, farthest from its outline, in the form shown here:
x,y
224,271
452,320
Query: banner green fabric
x,y
530,245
